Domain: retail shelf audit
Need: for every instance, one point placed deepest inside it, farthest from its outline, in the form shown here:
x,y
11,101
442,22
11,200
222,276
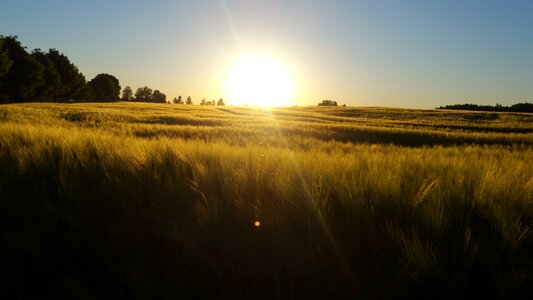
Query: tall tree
x,y
189,100
5,62
221,102
203,102
159,97
143,94
52,80
103,87
25,74
127,94
72,81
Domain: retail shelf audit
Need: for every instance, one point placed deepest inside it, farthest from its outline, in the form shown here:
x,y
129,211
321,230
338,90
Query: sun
x,y
259,80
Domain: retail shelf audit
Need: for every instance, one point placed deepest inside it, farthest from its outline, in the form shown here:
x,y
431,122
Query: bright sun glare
x,y
259,80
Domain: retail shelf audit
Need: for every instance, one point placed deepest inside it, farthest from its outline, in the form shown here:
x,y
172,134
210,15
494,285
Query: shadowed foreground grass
x,y
88,212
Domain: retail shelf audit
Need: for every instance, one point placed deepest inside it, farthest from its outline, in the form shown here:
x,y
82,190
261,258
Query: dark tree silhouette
x,y
143,94
52,80
328,103
159,97
522,107
203,102
519,107
189,100
103,87
72,81
221,102
127,94
5,62
177,100
25,74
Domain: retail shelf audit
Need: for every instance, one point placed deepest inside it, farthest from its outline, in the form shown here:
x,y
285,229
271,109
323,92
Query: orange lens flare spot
x,y
257,224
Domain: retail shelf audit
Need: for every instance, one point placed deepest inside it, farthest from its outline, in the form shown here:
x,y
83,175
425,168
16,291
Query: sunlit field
x,y
152,201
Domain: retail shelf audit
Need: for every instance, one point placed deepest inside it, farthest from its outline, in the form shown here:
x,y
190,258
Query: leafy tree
x,y
143,94
203,102
127,94
221,102
159,97
52,80
72,81
103,87
5,62
189,100
25,74
177,100
328,103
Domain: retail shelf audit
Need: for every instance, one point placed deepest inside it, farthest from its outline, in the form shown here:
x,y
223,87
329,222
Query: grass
x,y
159,201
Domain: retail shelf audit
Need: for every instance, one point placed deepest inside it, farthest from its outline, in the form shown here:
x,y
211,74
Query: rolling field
x,y
176,201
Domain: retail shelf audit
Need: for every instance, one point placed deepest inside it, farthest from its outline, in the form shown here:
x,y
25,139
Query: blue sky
x,y
384,53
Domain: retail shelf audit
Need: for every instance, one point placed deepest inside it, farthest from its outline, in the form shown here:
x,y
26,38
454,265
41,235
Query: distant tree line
x,y
179,100
143,94
519,107
328,103
51,76
36,75
212,102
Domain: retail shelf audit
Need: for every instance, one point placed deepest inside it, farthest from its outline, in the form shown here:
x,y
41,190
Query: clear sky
x,y
382,53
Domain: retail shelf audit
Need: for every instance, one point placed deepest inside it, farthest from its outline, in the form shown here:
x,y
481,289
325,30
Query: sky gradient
x,y
418,54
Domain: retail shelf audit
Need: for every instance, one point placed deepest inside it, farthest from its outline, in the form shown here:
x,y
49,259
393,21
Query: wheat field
x,y
165,201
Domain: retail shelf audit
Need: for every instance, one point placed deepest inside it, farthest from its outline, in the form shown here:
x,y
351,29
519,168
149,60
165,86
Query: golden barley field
x,y
164,201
